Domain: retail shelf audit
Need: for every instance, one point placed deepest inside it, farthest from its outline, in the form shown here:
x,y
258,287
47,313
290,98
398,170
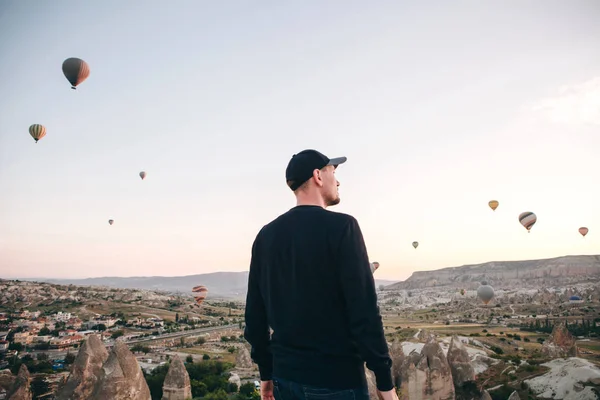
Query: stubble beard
x,y
333,201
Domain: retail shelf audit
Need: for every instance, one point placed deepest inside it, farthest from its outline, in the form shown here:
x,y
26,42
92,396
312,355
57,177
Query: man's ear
x,y
317,177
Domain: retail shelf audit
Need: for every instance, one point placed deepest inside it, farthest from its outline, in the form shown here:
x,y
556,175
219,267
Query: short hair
x,y
300,188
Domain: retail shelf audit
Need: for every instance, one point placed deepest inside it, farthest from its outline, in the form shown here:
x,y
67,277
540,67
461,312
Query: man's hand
x,y
266,390
388,395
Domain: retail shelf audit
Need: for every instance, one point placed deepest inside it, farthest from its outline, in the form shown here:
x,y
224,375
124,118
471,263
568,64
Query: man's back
x,y
310,281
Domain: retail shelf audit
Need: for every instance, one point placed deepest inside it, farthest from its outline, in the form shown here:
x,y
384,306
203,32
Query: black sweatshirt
x,y
310,282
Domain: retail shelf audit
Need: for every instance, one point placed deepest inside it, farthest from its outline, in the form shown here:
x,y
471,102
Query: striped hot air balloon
x,y
37,131
527,219
200,293
76,71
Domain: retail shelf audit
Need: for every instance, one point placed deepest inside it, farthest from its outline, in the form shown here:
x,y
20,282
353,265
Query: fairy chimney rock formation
x,y
7,381
177,382
371,384
427,375
560,343
242,359
121,377
460,363
20,389
424,336
85,370
398,357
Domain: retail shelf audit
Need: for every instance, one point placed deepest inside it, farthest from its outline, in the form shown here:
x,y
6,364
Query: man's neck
x,y
310,201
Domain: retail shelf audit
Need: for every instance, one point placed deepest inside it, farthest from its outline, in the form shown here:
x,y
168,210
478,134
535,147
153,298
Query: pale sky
x,y
439,107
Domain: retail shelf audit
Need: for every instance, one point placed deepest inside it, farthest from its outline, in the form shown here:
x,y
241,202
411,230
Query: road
x,y
55,354
183,333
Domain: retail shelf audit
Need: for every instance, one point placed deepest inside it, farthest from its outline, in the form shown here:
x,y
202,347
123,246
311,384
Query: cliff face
x,y
553,271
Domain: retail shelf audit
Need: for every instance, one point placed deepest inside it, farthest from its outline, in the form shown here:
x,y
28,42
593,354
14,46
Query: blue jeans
x,y
286,390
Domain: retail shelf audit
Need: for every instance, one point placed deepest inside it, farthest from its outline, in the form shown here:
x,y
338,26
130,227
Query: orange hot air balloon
x,y
493,204
584,231
200,294
76,71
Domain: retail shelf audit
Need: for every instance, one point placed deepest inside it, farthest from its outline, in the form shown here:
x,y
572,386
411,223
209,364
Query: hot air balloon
x,y
200,294
110,221
493,204
462,292
485,292
76,71
415,244
37,131
527,219
374,265
142,175
583,230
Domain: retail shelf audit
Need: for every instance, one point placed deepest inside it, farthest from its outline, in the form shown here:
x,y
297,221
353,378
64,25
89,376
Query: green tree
x,y
38,387
199,389
189,359
247,389
69,358
200,341
219,394
117,334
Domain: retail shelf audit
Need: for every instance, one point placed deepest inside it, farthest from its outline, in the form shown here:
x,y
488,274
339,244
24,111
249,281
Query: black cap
x,y
301,166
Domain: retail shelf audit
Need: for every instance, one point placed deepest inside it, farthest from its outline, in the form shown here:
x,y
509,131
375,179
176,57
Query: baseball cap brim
x,y
337,161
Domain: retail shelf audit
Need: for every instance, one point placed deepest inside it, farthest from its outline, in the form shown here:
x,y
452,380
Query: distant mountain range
x,y
220,284
509,274
551,272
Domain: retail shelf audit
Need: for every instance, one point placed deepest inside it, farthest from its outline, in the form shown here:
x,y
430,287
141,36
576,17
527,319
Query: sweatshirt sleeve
x,y
257,331
364,319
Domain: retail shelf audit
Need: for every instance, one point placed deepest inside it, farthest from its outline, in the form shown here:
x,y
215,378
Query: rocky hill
x,y
560,271
14,294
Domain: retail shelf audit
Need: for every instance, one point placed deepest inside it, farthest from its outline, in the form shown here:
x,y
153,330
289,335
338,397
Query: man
x,y
310,282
